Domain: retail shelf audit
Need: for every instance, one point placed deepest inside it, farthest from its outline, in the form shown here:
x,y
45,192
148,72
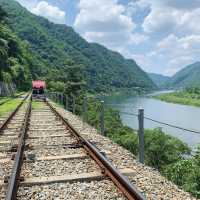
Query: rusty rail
x,y
2,127
15,174
125,186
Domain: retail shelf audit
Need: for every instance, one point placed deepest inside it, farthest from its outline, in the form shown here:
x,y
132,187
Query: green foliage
x,y
162,149
127,138
188,96
70,82
14,59
75,84
176,172
6,77
2,14
56,86
9,105
186,173
194,91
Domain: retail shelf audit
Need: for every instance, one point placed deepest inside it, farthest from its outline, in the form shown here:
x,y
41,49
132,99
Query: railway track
x,y
43,157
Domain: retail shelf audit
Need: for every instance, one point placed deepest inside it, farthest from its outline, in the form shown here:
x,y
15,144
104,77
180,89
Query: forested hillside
x,y
15,61
187,77
161,81
55,47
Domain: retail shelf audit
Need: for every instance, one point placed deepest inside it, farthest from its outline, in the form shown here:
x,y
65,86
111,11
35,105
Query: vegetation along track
x,y
4,122
53,161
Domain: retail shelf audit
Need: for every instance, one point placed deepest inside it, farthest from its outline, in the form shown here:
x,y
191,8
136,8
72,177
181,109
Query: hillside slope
x,y
189,76
16,62
56,45
160,80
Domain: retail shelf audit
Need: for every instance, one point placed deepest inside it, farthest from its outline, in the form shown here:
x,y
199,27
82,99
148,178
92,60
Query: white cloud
x,y
178,4
161,20
167,43
29,4
137,38
189,22
173,45
142,60
171,4
106,22
101,15
52,13
180,16
179,52
110,39
135,7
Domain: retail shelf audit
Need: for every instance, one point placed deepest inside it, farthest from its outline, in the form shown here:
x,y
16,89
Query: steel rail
x,y
125,186
2,127
15,174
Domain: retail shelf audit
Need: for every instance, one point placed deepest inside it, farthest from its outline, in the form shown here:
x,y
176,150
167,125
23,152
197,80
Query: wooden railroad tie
x,y
72,177
42,124
49,158
37,130
47,136
96,175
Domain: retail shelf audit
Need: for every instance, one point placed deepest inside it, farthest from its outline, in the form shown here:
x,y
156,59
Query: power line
x,y
127,113
163,123
171,125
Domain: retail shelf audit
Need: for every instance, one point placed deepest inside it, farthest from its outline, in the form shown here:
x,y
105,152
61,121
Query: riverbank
x,y
182,97
135,91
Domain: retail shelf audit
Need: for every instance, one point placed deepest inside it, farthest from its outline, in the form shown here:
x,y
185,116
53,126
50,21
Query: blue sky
x,y
163,36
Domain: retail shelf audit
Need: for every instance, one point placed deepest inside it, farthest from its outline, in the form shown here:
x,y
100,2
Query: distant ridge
x,y
161,81
187,77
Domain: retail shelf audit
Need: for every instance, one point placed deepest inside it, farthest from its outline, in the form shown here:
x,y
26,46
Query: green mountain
x,y
161,81
55,47
16,60
189,76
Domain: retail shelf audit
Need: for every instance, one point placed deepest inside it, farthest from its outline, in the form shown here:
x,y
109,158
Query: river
x,y
180,115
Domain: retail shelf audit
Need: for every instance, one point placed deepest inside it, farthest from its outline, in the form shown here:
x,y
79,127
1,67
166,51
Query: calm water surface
x,y
179,115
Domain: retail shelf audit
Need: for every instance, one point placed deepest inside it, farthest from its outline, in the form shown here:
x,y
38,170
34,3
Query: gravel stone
x,y
5,169
58,167
51,141
59,151
93,190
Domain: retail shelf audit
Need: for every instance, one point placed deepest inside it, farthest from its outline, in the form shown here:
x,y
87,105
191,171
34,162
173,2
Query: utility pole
x,y
141,134
102,125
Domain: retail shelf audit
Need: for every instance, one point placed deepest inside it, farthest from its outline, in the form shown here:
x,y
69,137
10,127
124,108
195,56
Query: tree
x,y
162,149
75,84
3,14
185,173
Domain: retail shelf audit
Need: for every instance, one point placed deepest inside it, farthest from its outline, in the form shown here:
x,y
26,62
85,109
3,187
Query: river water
x,y
180,115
